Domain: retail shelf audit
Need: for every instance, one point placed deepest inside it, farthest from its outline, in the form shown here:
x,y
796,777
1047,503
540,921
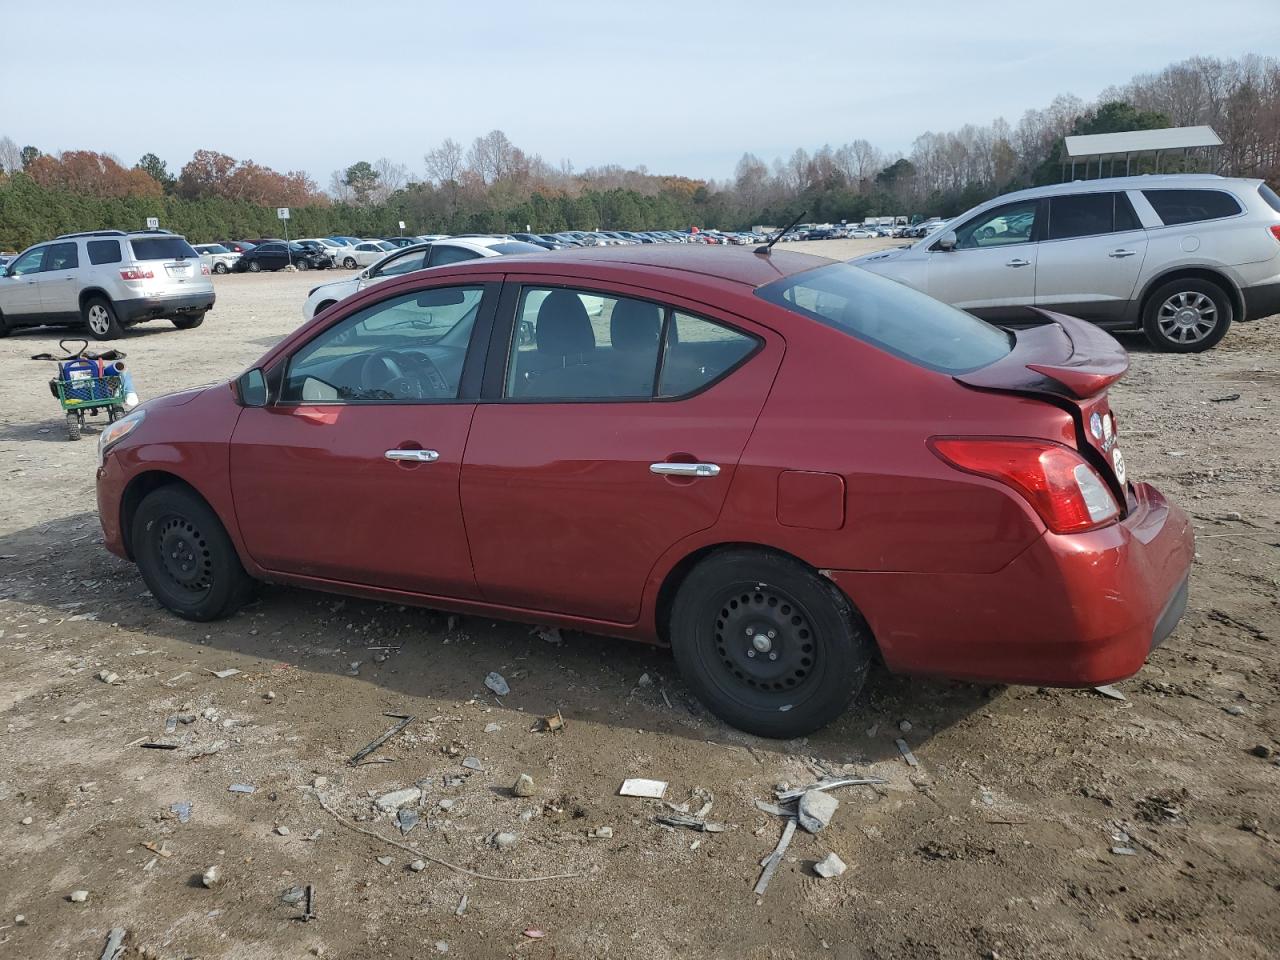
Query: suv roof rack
x,y
91,233
158,230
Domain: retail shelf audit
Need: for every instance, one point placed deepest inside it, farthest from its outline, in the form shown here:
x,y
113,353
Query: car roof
x,y
738,265
1165,181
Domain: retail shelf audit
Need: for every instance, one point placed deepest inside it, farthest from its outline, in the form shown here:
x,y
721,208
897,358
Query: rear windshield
x,y
516,246
160,248
1191,206
893,317
1269,195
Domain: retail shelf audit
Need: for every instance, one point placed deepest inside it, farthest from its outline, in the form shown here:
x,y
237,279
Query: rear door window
x,y
61,256
891,316
103,251
161,248
1191,206
1269,195
1081,215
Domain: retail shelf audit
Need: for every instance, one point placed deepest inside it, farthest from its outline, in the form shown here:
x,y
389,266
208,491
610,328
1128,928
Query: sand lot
x,y
1001,843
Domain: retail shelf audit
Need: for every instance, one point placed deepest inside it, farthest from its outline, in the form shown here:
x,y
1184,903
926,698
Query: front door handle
x,y
685,469
1018,263
413,456
1121,254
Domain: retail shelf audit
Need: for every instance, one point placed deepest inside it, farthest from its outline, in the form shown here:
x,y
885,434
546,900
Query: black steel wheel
x,y
770,646
186,557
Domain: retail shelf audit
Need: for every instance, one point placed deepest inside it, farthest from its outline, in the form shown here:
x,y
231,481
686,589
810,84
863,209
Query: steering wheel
x,y
404,377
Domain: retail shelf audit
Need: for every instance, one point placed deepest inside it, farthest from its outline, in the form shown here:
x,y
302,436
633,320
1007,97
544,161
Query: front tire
x,y
768,645
1187,316
255,266
219,267
349,263
100,317
302,265
189,322
186,557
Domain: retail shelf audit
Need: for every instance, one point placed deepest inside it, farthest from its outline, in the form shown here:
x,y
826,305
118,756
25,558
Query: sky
x,y
682,88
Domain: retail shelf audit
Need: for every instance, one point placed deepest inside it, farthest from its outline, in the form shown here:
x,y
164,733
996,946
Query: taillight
x,y
135,273
1060,484
204,269
1275,230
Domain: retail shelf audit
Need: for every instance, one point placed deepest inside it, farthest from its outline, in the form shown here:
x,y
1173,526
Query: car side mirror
x,y
947,241
366,273
251,389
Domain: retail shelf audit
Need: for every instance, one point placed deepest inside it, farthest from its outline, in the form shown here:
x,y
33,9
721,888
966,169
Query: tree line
x,y
492,185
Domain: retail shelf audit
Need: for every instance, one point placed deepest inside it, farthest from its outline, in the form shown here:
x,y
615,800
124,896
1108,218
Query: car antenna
x,y
765,250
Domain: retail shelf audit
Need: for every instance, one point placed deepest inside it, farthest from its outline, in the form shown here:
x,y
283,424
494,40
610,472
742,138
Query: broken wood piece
x,y
379,741
771,862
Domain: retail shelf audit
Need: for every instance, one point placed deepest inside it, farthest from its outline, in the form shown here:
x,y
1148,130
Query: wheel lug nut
x,y
773,656
751,653
750,632
773,634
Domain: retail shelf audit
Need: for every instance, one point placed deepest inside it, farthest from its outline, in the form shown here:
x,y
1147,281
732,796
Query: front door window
x,y
1002,226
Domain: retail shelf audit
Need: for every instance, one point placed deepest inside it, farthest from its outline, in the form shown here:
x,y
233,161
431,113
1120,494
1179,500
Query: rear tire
x,y
302,265
73,427
188,323
349,263
100,317
768,645
255,266
5,329
186,557
1187,316
219,267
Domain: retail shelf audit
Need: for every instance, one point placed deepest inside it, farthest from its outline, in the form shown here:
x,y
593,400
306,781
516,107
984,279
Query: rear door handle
x,y
1018,263
1121,254
685,469
413,456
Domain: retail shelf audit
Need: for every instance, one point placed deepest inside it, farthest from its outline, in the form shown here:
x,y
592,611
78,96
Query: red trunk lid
x,y
1070,363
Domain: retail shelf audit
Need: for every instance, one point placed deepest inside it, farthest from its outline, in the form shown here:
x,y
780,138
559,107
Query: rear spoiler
x,y
1065,357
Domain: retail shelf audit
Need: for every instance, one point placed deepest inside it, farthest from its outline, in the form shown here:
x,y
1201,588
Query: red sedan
x,y
779,465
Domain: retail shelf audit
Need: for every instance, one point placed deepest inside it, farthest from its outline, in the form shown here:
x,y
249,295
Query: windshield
x,y
893,317
160,248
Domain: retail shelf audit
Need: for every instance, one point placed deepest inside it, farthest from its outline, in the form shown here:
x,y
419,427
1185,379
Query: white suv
x,y
1178,257
106,280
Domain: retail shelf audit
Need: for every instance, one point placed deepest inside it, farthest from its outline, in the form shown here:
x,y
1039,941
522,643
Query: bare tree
x,y
391,177
10,156
445,164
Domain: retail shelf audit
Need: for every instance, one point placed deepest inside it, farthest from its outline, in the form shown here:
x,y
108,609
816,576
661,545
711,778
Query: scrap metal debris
x,y
182,809
498,684
437,860
242,788
771,862
1110,691
115,944
374,744
640,787
223,674
309,899
907,755
689,822
830,783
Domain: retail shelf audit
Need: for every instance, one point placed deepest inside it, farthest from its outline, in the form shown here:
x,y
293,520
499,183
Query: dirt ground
x,y
1038,824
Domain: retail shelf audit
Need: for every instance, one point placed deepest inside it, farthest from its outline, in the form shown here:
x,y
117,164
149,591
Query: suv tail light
x,y
136,273
1060,484
204,269
1275,230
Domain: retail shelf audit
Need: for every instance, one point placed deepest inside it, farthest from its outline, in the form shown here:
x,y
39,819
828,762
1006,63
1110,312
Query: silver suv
x,y
106,280
1178,257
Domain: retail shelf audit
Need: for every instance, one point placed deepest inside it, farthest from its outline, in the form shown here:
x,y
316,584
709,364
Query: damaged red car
x,y
781,466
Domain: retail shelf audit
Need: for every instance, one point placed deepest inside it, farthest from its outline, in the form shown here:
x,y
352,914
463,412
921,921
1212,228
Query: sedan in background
x,y
436,254
237,246
217,257
276,255
364,254
625,442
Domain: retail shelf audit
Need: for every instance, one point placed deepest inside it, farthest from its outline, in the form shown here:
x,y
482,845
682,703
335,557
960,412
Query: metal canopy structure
x,y
1111,147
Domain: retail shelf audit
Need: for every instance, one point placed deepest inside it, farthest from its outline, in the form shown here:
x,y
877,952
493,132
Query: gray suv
x,y
1178,257
106,280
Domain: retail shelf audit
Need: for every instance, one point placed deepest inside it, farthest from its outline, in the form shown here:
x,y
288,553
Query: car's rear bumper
x,y
1261,300
1075,610
148,308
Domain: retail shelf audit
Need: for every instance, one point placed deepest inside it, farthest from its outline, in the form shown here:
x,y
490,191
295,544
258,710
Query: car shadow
x,y
419,652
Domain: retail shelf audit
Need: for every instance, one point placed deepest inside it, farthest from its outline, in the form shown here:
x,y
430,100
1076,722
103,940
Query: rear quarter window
x,y
1191,206
161,248
104,251
1269,195
891,316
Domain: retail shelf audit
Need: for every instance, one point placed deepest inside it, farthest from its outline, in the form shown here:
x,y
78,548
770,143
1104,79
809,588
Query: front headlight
x,y
115,432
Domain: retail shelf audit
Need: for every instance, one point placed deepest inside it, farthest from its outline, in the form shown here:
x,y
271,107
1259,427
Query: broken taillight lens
x,y
1060,484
